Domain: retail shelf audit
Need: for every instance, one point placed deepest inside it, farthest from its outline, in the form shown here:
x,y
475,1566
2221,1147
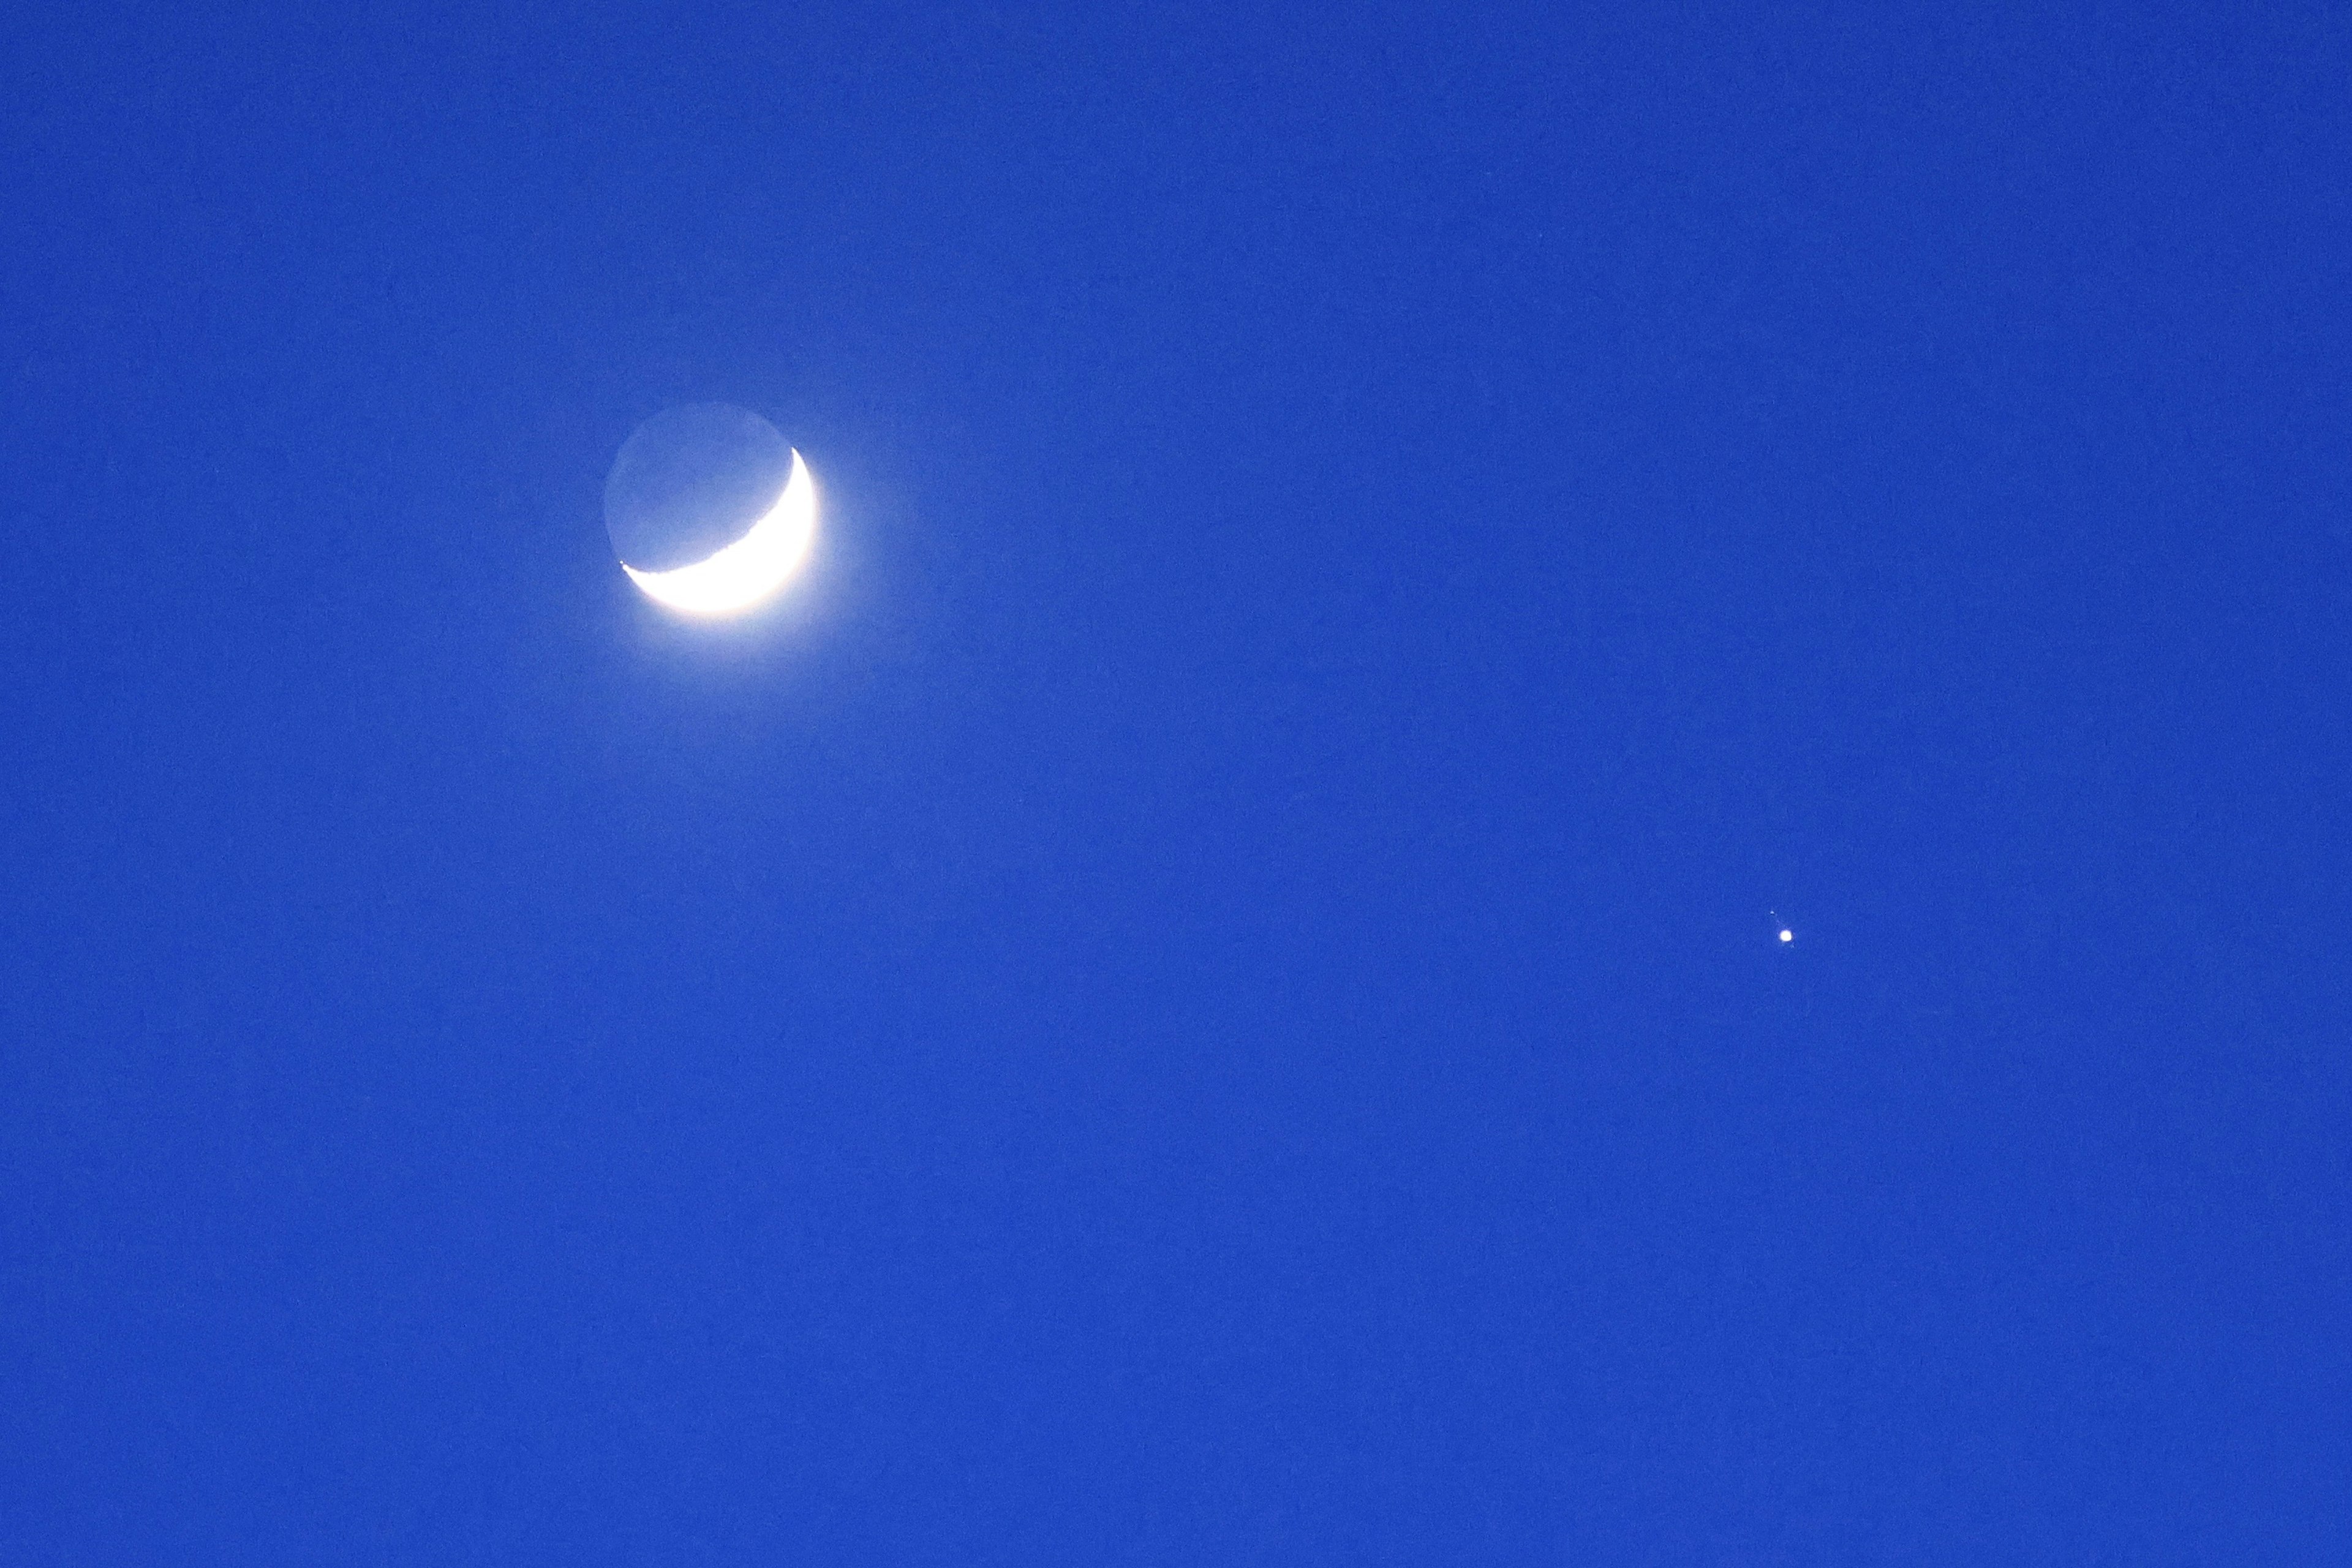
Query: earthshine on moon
x,y
710,509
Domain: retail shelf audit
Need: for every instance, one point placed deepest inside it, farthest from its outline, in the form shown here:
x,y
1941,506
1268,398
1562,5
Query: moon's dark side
x,y
691,481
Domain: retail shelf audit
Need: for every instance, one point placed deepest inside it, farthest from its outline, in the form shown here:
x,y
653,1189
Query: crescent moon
x,y
754,566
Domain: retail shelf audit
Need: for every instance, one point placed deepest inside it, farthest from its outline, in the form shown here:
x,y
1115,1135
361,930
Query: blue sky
x,y
1202,989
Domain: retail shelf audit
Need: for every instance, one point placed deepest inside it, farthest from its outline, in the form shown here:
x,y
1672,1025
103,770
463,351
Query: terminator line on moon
x,y
740,574
709,511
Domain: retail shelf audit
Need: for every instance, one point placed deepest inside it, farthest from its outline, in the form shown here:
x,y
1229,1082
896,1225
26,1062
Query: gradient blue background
x,y
1204,989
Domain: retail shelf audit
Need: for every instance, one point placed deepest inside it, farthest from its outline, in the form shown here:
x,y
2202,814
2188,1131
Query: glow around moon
x,y
742,573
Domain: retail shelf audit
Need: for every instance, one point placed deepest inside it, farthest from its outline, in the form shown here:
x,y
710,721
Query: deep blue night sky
x,y
1202,989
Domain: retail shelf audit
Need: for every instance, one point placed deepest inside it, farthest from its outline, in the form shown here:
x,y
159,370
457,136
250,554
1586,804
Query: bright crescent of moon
x,y
748,570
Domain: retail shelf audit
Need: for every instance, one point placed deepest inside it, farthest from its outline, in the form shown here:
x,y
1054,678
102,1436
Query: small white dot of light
x,y
1788,935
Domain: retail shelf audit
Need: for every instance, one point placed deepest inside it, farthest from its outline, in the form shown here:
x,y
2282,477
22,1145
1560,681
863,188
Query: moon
x,y
709,509
738,576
